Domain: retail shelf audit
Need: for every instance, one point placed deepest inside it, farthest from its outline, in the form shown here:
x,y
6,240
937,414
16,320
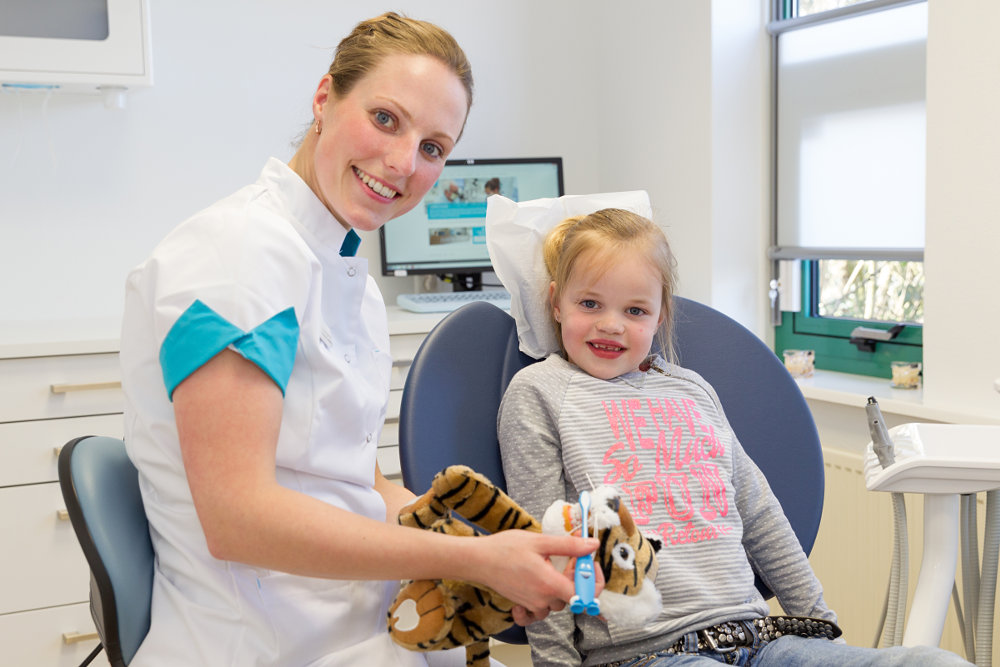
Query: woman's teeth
x,y
375,186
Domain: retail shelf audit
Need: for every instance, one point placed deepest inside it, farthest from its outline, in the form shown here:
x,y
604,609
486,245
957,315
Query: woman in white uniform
x,y
256,369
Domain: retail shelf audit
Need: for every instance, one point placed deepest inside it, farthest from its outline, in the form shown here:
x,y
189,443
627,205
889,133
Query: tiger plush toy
x,y
432,615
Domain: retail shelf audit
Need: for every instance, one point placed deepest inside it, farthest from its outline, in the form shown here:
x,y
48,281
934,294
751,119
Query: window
x,y
849,179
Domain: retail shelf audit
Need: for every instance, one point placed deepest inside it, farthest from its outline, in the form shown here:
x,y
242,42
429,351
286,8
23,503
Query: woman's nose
x,y
402,156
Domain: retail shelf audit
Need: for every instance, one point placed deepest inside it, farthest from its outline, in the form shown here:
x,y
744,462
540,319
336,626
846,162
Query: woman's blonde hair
x,y
604,235
391,34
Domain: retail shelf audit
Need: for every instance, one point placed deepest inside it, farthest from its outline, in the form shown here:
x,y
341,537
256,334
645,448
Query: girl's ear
x,y
552,301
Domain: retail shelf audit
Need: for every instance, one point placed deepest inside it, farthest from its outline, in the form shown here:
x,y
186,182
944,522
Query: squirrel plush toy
x,y
431,615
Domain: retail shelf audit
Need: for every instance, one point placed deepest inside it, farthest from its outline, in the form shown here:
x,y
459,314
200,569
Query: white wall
x,y
663,95
961,350
623,93
232,85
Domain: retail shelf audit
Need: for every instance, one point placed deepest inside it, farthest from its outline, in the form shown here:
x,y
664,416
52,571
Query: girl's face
x,y
609,320
383,145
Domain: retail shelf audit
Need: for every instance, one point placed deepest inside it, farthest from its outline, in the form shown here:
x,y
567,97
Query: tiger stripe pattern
x,y
442,614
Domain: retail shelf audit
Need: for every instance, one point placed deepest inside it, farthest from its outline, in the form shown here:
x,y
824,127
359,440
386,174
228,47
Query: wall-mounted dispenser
x,y
100,47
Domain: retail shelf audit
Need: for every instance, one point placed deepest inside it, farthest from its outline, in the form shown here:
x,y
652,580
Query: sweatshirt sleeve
x,y
771,544
527,428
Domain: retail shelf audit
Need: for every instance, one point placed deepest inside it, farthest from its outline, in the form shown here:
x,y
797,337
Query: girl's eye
x,y
588,303
432,150
636,311
385,119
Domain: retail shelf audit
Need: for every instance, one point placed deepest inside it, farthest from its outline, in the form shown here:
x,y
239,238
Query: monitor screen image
x,y
446,232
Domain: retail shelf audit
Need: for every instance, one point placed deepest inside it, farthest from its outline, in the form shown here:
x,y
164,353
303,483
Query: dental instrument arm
x,y
881,442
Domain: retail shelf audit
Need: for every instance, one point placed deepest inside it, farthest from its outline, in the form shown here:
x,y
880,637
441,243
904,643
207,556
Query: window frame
x,y
828,337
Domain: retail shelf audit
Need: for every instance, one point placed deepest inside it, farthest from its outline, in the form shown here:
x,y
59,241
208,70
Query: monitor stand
x,y
467,282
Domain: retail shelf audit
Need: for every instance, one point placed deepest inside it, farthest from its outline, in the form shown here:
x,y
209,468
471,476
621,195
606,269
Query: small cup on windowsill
x,y
905,374
800,363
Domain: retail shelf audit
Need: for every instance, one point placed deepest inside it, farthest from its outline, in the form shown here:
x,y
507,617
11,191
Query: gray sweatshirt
x,y
662,439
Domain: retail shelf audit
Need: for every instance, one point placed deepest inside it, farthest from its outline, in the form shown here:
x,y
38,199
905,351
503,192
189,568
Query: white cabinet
x,y
79,47
44,402
47,400
54,637
406,332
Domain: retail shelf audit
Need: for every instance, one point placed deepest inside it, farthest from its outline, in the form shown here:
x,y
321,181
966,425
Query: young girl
x,y
561,426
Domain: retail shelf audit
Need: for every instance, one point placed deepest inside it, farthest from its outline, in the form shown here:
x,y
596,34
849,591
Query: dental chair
x,y
452,394
101,489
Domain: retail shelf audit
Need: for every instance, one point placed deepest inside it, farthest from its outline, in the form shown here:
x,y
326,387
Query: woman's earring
x,y
318,126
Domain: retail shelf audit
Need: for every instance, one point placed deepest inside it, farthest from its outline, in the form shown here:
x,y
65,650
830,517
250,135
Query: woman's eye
x,y
385,119
432,150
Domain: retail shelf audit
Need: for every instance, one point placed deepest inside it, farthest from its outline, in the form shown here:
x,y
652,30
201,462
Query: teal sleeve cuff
x,y
200,333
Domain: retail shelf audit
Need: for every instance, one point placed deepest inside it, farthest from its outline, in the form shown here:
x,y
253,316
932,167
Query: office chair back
x,y
453,390
101,489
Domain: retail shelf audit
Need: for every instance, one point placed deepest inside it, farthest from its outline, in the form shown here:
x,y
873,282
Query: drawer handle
x,y
77,637
399,363
63,515
86,386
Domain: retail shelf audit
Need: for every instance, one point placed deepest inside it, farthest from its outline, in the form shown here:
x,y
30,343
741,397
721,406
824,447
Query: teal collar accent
x,y
349,248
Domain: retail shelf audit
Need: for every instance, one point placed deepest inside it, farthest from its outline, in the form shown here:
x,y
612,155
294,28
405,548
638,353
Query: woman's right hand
x,y
515,563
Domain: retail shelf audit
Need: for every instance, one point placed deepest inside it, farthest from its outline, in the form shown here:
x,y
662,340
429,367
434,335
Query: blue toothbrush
x,y
583,577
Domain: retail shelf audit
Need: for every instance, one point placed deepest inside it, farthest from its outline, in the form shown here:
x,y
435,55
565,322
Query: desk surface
x,y
47,338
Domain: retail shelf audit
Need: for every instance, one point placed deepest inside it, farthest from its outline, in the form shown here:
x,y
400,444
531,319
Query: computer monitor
x,y
446,233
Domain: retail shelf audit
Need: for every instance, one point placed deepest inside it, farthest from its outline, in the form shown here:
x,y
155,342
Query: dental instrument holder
x,y
583,575
941,461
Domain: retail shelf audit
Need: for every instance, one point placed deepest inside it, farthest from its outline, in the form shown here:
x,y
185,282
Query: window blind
x,y
851,135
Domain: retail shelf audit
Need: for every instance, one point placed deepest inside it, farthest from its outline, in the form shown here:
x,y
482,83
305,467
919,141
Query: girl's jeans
x,y
792,651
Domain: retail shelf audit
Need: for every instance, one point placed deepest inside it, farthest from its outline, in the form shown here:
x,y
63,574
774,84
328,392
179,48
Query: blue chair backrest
x,y
453,390
101,489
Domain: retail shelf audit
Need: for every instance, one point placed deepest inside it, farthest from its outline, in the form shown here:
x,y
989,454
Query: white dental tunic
x,y
260,272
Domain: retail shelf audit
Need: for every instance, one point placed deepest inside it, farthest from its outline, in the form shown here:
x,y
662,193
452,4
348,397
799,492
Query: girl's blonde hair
x,y
391,34
604,235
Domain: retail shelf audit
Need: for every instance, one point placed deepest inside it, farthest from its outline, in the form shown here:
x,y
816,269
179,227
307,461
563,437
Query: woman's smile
x,y
376,187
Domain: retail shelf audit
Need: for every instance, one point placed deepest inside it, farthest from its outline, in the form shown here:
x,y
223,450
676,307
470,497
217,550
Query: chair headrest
x,y
514,235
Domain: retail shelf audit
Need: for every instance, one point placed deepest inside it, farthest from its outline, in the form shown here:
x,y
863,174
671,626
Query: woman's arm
x,y
396,496
228,417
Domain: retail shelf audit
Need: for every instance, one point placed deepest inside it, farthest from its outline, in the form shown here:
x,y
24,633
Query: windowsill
x,y
854,390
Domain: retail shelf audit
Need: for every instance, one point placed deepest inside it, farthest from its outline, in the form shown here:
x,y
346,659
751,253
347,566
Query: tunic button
x,y
368,438
351,271
347,358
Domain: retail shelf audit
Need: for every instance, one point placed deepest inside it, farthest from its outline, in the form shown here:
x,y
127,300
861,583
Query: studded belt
x,y
733,634
729,636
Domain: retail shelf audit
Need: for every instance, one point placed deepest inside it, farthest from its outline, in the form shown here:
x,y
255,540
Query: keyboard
x,y
444,302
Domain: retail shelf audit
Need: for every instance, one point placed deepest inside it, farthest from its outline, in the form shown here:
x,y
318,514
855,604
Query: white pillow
x,y
514,235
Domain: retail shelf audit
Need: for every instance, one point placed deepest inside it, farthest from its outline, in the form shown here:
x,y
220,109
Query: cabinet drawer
x,y
56,637
390,434
403,347
29,450
392,408
388,462
41,564
43,387
400,369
